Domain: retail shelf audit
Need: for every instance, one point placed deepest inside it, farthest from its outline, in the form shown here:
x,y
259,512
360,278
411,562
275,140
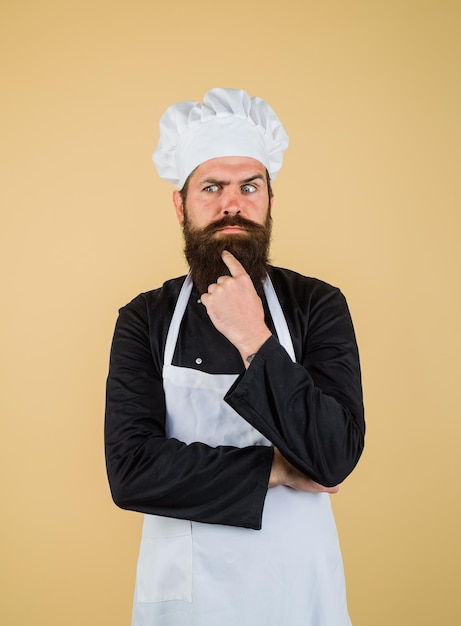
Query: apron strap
x,y
175,323
280,323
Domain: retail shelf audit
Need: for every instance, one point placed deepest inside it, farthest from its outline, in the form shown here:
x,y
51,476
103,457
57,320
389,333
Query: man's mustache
x,y
233,220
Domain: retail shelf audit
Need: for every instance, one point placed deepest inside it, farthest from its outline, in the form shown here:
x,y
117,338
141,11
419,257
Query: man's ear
x,y
178,205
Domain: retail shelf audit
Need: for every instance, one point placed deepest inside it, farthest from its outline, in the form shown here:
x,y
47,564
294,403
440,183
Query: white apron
x,y
289,573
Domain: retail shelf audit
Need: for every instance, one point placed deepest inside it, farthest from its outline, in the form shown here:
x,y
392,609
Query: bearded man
x,y
234,402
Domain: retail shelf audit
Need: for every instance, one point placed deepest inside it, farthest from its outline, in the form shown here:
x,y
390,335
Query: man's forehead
x,y
230,168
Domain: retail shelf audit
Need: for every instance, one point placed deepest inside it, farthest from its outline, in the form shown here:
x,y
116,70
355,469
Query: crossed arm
x,y
311,411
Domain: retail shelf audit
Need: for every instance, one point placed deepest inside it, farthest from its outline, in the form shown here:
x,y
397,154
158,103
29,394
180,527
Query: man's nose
x,y
231,204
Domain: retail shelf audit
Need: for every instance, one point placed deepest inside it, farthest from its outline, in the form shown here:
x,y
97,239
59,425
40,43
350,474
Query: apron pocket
x,y
164,569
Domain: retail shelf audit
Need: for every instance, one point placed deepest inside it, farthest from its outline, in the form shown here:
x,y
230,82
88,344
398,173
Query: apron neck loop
x,y
281,326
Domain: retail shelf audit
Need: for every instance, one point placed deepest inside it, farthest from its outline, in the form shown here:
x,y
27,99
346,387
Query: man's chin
x,y
203,249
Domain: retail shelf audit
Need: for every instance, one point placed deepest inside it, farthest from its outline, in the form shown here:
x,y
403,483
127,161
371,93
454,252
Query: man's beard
x,y
203,249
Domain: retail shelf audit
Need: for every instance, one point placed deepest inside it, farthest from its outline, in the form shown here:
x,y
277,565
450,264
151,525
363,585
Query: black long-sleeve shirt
x,y
310,410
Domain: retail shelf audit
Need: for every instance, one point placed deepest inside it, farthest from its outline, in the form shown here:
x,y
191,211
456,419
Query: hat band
x,y
219,137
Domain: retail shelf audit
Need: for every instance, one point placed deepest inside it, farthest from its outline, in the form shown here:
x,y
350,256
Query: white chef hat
x,y
227,123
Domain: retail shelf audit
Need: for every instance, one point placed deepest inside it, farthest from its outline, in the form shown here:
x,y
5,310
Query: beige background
x,y
368,200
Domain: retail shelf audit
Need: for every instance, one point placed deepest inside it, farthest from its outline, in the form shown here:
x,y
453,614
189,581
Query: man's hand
x,y
283,473
236,310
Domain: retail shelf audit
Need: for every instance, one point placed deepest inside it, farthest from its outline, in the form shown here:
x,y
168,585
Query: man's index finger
x,y
233,264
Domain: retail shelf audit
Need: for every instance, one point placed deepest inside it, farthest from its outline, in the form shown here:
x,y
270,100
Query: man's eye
x,y
249,188
211,188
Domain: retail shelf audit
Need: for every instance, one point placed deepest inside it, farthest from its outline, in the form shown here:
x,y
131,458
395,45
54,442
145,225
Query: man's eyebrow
x,y
255,177
214,181
245,181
